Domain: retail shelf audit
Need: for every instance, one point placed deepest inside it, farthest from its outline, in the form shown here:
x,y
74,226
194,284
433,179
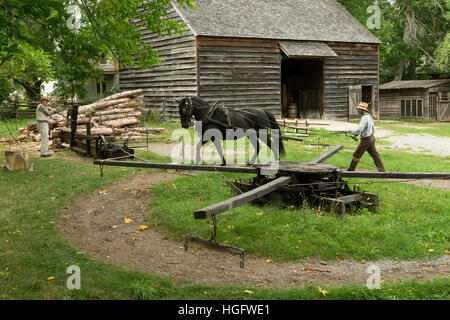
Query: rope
x,y
10,133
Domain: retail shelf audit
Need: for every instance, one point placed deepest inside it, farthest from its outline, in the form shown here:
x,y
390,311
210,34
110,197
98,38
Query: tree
x,y
30,68
104,29
411,31
443,55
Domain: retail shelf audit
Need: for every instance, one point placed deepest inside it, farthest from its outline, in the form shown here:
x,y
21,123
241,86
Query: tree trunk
x,y
32,89
407,39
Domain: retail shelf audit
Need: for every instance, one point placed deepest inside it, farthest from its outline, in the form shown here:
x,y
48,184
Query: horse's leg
x,y
218,144
256,146
267,139
200,144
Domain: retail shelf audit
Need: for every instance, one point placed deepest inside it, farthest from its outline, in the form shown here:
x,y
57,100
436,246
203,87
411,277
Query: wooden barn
x,y
296,58
416,99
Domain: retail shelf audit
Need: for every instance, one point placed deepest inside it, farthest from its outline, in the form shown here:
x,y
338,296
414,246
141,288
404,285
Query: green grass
x,y
14,125
415,127
410,223
32,248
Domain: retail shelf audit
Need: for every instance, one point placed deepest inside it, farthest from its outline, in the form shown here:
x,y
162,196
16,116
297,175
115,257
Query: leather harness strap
x,y
210,114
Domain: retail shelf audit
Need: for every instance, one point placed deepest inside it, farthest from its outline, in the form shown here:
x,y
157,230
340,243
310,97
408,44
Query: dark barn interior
x,y
302,87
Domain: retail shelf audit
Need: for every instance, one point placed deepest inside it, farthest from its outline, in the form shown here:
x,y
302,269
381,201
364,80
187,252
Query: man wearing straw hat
x,y
366,129
43,115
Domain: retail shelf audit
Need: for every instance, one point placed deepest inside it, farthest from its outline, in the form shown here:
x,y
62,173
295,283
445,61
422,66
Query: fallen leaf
x,y
324,292
249,292
50,278
259,213
269,260
143,227
128,220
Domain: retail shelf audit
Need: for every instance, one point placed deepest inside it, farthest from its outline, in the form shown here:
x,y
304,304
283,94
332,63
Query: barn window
x,y
412,108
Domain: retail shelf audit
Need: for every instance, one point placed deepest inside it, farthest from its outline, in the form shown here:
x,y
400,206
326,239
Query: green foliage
x,y
443,55
411,32
30,67
104,30
6,88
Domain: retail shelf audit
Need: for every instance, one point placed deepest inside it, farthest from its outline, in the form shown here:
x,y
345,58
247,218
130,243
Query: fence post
x,y
73,125
88,133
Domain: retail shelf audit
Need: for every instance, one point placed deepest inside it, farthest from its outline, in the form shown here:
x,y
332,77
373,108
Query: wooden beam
x,y
326,155
242,198
171,166
395,175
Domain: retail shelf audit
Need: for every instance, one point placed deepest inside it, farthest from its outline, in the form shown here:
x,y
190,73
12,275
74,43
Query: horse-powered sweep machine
x,y
284,183
291,184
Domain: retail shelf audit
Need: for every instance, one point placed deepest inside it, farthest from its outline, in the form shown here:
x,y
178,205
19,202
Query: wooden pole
x,y
73,125
242,198
170,166
88,142
395,175
326,155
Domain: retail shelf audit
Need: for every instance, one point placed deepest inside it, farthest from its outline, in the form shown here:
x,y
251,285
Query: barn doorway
x,y
302,88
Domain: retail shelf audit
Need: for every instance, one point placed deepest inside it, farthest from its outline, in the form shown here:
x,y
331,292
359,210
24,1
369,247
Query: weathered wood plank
x,y
396,175
242,198
326,155
171,166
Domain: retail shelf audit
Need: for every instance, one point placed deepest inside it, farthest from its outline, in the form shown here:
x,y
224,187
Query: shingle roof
x,y
414,84
306,49
312,20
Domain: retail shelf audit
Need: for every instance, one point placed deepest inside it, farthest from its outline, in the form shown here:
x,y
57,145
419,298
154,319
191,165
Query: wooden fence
x,y
27,109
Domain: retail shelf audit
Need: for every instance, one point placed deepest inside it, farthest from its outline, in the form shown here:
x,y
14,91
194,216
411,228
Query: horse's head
x,y
186,111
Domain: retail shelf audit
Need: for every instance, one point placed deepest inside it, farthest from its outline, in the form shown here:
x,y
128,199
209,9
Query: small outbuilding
x,y
295,58
416,99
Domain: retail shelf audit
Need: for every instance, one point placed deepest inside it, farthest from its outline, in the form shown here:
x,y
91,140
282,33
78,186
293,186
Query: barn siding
x,y
175,78
240,72
390,101
357,64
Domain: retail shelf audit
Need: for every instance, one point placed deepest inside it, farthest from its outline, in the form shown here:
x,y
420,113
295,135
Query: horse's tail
x,y
274,125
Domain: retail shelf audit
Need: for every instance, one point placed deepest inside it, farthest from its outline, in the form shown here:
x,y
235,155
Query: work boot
x,y
46,155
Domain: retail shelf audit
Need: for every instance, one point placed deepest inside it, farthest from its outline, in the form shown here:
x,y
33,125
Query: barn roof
x,y
414,84
311,20
306,49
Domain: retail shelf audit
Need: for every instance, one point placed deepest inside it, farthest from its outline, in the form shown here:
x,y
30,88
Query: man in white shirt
x,y
43,116
366,129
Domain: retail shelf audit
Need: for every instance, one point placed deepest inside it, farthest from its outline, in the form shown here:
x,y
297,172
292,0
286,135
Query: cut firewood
x,y
119,123
117,116
101,105
114,111
145,129
128,94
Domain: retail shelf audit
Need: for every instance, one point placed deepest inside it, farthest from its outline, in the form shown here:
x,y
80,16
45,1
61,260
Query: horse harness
x,y
209,116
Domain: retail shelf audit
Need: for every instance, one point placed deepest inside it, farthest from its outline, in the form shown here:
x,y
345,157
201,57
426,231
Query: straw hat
x,y
45,98
363,106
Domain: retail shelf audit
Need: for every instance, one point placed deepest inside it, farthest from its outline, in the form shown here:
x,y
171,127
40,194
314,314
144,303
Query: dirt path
x,y
95,224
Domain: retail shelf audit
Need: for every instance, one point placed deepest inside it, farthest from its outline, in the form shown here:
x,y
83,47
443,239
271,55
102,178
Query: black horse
x,y
218,123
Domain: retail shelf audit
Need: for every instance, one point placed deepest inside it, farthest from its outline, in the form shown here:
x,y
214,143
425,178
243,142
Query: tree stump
x,y
16,160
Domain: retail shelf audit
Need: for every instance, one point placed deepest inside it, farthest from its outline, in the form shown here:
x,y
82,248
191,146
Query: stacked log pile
x,y
115,117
